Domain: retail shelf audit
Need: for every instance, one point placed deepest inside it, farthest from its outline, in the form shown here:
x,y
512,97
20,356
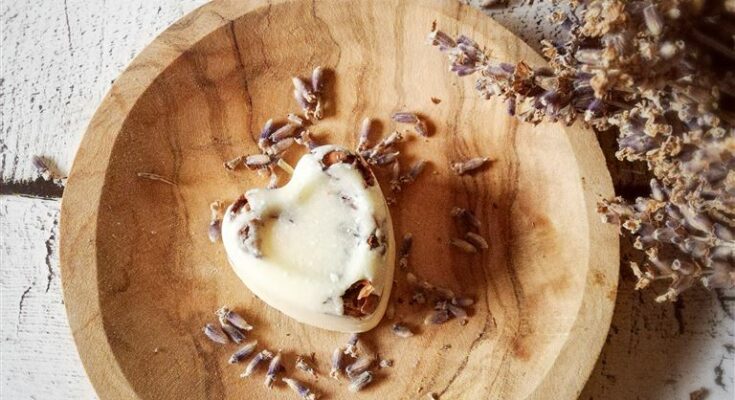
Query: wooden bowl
x,y
141,278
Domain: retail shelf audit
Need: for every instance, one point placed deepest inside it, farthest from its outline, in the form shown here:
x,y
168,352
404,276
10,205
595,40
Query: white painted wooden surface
x,y
59,57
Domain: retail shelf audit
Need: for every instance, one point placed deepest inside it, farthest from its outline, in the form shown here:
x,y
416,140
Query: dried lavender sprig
x,y
360,381
243,352
226,315
401,330
274,368
300,389
214,334
264,355
336,365
360,365
304,366
469,166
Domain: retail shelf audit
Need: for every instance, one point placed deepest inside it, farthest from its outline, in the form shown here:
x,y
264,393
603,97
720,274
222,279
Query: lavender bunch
x,y
655,72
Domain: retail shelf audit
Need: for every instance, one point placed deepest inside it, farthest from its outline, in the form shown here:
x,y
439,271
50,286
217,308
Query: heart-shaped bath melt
x,y
319,249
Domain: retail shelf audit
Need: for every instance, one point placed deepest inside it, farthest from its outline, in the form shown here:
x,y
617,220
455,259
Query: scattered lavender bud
x,y
468,166
257,161
466,216
421,128
286,131
264,355
360,365
351,348
477,240
232,164
214,334
306,140
317,79
215,230
281,146
463,301
235,334
244,351
463,245
303,365
295,120
414,172
363,135
301,101
401,330
337,356
437,317
300,389
274,368
303,91
457,311
226,315
360,381
405,118
384,159
267,129
405,250
385,363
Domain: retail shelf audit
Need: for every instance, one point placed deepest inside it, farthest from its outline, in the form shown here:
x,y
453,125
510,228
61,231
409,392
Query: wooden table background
x,y
59,57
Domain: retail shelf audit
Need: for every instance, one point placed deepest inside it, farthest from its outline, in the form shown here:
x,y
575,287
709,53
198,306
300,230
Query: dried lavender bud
x,y
155,177
303,91
286,131
405,250
463,245
413,173
267,129
468,166
360,381
257,161
215,230
421,128
317,79
385,363
303,365
401,330
463,301
295,120
226,315
235,334
457,311
281,146
351,348
301,101
405,118
337,356
437,317
304,392
363,135
274,368
466,216
477,240
244,351
384,159
360,365
232,164
214,334
264,355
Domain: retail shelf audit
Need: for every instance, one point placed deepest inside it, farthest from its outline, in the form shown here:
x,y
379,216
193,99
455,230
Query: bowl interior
x,y
160,279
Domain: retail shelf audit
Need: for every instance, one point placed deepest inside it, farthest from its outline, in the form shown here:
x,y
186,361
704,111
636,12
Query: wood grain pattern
x,y
139,273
